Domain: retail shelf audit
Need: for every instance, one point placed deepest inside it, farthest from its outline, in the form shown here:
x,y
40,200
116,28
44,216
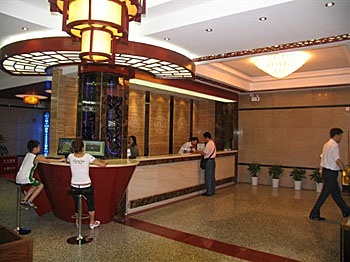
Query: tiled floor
x,y
239,223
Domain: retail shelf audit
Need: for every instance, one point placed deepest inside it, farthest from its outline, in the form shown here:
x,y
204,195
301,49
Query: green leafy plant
x,y
3,148
316,176
275,171
298,174
254,169
227,144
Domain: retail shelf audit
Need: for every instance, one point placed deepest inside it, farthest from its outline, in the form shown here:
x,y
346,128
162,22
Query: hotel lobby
x,y
172,70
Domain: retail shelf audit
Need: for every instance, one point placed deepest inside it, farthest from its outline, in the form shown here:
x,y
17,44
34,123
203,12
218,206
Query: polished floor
x,y
240,223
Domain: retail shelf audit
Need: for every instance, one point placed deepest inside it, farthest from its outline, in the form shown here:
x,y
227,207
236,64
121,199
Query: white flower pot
x,y
275,182
297,185
319,187
254,180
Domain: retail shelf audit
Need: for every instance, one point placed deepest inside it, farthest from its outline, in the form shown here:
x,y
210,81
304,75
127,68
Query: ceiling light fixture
x,y
25,28
99,24
166,38
263,18
282,64
329,4
31,99
174,89
209,30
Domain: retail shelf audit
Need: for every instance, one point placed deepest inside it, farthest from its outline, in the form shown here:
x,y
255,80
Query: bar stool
x,y
20,230
79,239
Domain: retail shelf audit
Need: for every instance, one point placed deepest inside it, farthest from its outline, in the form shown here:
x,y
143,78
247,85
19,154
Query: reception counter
x,y
166,178
109,185
127,186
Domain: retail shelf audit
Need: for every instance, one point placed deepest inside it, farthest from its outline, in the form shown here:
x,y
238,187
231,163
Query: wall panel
x,y
181,122
289,128
136,121
159,124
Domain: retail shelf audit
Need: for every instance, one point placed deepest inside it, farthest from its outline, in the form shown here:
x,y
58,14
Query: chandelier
x,y
31,99
98,23
282,64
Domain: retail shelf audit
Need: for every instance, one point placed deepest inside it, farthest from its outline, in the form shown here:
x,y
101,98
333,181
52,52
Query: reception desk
x,y
166,178
155,181
109,185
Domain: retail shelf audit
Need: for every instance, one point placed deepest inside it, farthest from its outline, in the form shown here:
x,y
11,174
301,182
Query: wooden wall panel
x,y
181,122
136,121
63,119
159,124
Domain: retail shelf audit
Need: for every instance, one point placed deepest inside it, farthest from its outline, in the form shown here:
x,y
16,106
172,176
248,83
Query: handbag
x,y
203,162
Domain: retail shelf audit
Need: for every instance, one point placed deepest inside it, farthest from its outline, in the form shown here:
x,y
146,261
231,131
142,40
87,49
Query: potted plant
x,y
317,178
3,148
275,172
227,145
253,170
298,174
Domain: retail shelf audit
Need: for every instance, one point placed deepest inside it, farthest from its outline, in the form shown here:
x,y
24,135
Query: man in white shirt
x,y
190,146
330,165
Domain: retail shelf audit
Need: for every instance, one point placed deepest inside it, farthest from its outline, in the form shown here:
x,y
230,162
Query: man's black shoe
x,y
206,194
346,214
317,218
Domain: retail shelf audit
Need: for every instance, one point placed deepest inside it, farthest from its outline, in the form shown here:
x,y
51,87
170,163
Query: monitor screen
x,y
95,148
65,146
200,146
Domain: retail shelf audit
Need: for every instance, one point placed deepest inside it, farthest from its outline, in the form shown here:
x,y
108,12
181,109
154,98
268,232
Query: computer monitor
x,y
95,148
65,146
200,146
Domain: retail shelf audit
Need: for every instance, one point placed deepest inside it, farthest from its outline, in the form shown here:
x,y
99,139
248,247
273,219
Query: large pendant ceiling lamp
x,y
98,23
31,99
282,64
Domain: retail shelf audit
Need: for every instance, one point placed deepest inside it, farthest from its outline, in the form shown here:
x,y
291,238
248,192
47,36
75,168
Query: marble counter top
x,y
111,163
153,160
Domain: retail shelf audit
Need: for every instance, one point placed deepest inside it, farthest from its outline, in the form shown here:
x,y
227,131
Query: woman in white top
x,y
81,182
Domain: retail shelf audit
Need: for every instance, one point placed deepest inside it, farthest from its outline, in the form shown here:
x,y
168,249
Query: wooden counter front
x,y
109,185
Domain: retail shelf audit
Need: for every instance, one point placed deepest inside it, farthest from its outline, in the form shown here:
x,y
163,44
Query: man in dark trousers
x,y
330,165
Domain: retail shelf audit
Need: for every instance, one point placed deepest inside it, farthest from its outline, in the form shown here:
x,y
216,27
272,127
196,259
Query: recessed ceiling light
x,y
329,4
263,18
166,38
25,28
209,29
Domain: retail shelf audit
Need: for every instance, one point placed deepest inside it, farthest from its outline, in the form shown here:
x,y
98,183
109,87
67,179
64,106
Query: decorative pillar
x,y
103,105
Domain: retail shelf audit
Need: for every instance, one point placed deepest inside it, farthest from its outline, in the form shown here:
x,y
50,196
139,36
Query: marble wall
x,y
289,128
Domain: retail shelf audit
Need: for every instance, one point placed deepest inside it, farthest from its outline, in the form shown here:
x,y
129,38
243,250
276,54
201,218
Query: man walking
x,y
330,165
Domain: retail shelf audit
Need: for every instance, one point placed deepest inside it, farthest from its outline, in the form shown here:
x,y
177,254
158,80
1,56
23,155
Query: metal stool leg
x,y
18,229
79,239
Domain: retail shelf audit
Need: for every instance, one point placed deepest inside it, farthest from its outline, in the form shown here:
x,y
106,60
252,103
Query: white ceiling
x,y
236,27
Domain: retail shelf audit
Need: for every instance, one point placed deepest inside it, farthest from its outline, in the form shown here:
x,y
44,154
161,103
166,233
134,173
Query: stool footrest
x,y
83,216
23,230
79,240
